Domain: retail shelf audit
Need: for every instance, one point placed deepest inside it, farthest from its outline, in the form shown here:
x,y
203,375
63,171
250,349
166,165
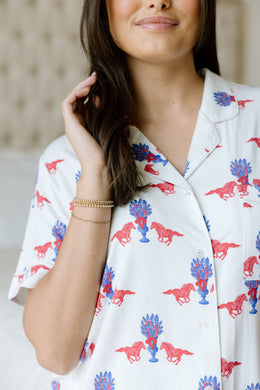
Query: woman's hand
x,y
88,151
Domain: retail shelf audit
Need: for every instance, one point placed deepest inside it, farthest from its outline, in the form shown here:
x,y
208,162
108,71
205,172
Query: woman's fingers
x,y
74,95
83,143
87,82
81,90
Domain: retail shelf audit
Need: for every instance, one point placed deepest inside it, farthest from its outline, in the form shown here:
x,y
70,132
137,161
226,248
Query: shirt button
x,y
200,253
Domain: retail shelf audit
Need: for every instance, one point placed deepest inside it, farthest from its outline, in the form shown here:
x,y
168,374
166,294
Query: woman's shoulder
x,y
59,148
233,97
221,82
248,101
244,91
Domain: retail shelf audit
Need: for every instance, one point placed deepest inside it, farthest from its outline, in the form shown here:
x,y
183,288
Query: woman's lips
x,y
157,23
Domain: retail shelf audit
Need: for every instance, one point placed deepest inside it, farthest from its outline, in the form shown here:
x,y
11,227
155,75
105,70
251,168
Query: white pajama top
x,y
179,303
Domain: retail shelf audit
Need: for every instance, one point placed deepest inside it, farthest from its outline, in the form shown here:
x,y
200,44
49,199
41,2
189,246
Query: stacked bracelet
x,y
92,203
89,220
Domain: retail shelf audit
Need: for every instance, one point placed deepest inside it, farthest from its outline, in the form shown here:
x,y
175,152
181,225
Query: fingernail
x,y
93,74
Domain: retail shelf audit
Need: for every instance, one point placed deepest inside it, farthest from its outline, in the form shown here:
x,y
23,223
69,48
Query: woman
x,y
161,292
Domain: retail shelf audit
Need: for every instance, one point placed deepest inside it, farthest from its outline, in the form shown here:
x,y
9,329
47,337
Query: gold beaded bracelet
x,y
89,220
92,203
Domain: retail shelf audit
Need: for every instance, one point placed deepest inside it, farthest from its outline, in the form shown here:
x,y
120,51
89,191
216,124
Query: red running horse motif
x,y
174,353
164,235
124,235
133,352
182,294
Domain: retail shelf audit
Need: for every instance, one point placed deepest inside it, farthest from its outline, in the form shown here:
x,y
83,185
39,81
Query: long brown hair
x,y
107,121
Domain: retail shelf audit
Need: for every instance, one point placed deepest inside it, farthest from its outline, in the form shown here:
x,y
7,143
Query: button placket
x,y
210,325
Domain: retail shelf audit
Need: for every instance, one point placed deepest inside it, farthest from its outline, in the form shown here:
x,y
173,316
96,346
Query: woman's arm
x,y
59,310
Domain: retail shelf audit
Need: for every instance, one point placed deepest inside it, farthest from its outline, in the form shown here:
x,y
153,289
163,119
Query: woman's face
x,y
170,34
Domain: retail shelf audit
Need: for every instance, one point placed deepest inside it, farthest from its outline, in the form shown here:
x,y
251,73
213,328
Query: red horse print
x,y
42,249
256,183
182,294
164,235
133,352
99,304
35,268
87,351
166,188
52,167
242,103
247,205
41,199
256,140
123,235
242,189
92,348
149,168
174,353
227,367
118,296
234,308
225,192
20,277
249,265
220,249
58,243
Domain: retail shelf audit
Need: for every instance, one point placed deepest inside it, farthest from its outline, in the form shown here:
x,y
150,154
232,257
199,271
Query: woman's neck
x,y
163,91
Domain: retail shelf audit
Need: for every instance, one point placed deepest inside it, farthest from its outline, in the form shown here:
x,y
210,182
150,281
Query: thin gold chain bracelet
x,y
89,220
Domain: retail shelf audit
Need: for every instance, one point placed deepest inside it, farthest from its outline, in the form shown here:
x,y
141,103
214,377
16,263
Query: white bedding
x,y
18,366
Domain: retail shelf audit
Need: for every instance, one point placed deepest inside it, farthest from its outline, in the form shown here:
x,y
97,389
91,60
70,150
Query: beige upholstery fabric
x,y
41,61
230,38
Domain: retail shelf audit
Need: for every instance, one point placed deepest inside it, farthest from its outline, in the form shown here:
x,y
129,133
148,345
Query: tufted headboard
x,y
41,61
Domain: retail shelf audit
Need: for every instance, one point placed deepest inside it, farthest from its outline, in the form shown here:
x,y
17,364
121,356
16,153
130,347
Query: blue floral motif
x,y
241,169
78,176
141,210
207,223
151,327
55,385
253,387
258,241
33,201
142,152
58,231
104,381
187,167
107,281
202,271
84,351
223,99
26,272
209,382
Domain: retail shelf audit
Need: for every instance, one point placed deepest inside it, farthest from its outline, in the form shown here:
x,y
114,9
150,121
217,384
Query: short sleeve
x,y
49,215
